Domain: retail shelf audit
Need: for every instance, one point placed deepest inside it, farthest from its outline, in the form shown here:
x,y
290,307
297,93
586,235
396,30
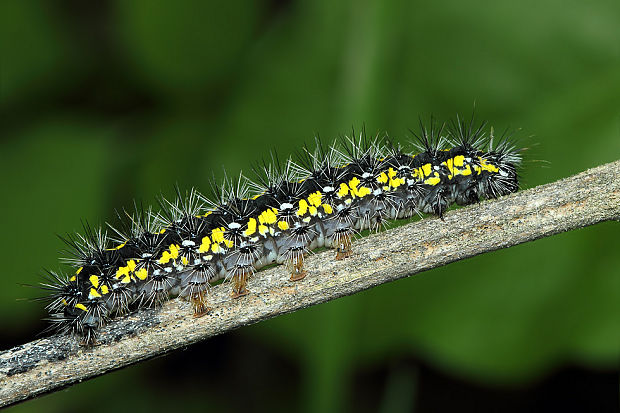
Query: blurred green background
x,y
105,102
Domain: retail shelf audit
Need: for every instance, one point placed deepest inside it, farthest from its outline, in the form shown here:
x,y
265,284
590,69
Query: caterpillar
x,y
321,198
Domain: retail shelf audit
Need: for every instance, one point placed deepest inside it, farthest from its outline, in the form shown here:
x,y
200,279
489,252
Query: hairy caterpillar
x,y
321,199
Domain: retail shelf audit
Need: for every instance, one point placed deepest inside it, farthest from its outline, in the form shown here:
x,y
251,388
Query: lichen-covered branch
x,y
585,199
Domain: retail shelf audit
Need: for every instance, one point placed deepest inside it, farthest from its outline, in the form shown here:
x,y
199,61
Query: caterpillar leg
x,y
343,246
240,282
89,338
194,286
199,302
297,268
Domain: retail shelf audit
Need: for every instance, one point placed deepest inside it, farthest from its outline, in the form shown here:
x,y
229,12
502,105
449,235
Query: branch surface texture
x,y
52,363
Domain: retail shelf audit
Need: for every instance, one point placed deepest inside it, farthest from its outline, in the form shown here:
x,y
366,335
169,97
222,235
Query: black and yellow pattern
x,y
330,196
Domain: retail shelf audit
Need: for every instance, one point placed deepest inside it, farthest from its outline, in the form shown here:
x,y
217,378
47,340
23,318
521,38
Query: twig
x,y
585,199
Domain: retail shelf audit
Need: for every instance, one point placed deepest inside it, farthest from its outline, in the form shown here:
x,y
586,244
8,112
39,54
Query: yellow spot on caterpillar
x,y
165,256
363,191
315,198
79,270
328,208
205,245
382,178
104,289
124,271
118,247
434,180
217,235
164,259
93,294
94,280
391,173
73,278
64,302
426,169
262,229
354,182
162,231
251,227
184,261
486,166
450,165
81,307
358,192
312,210
142,273
215,247
283,225
395,183
466,171
268,216
343,191
303,208
132,264
458,160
